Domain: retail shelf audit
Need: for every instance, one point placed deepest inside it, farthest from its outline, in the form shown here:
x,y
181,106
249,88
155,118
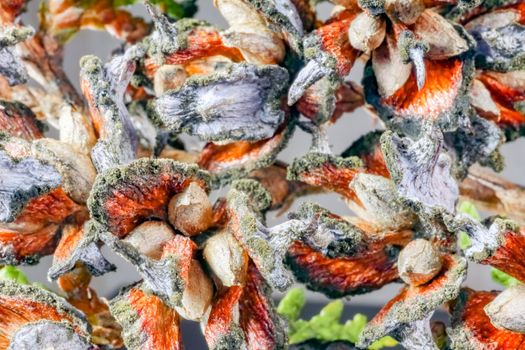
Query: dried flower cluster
x,y
446,78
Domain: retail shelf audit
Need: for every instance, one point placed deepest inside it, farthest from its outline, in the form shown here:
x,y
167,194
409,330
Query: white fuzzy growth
x,y
287,8
47,335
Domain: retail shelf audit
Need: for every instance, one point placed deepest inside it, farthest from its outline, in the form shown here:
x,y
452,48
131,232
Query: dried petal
x,y
501,244
421,170
10,66
326,171
266,246
75,285
19,121
329,53
239,103
147,322
221,328
492,193
373,264
22,307
119,207
249,33
104,88
499,37
263,328
78,244
64,18
406,11
416,303
471,327
237,159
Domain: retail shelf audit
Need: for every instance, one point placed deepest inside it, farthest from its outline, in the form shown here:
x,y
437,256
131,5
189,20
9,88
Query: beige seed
x,y
149,237
190,211
406,11
418,262
197,295
226,258
366,32
507,310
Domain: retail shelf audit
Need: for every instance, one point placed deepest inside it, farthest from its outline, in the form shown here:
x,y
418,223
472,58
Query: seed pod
x,y
190,211
418,262
507,310
149,237
406,11
366,32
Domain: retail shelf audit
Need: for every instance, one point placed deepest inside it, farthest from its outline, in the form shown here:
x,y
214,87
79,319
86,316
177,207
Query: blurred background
x,y
341,135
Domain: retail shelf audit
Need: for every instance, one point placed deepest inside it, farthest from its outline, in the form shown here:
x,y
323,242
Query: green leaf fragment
x,y
469,209
291,305
503,278
325,326
14,274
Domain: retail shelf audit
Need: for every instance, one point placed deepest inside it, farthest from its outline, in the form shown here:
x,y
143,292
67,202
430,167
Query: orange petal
x,y
24,304
371,267
472,328
127,196
18,120
439,94
263,329
148,322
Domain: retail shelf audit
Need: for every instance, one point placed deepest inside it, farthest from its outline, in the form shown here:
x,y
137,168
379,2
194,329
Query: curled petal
x,y
265,246
499,35
507,92
119,207
263,328
239,103
478,141
117,137
416,303
329,53
184,42
327,233
221,328
11,67
373,265
19,121
421,170
501,245
78,243
148,323
326,171
24,306
64,19
237,159
442,99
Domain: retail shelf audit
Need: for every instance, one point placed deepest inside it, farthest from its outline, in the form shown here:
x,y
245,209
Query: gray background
x,y
341,135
